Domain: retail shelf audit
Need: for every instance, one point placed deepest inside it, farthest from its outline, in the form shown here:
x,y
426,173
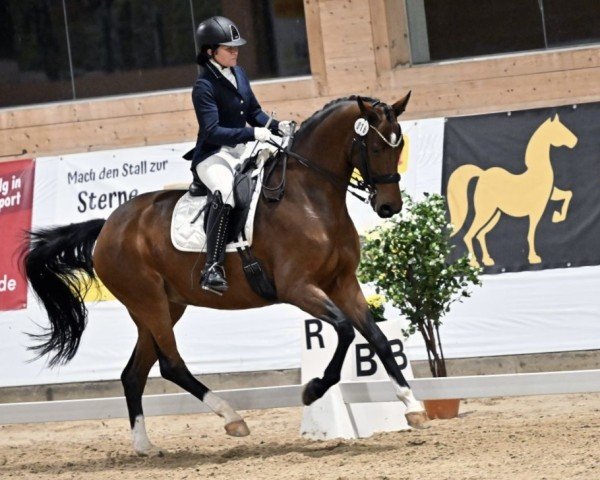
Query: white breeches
x,y
217,171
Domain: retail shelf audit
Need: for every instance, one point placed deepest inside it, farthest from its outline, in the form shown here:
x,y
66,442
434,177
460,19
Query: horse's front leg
x,y
534,219
315,302
352,301
558,195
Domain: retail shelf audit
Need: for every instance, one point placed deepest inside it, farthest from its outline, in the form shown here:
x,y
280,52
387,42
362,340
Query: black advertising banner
x,y
523,188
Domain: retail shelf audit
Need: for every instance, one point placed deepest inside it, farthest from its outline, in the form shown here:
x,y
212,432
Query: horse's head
x,y
559,135
380,141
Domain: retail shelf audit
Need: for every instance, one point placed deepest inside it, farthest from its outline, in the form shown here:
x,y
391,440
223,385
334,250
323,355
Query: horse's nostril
x,y
385,211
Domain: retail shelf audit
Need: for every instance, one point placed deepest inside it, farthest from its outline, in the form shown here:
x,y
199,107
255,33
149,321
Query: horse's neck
x,y
326,148
537,154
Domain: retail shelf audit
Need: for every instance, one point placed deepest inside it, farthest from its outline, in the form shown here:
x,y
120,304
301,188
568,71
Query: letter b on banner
x,y
365,357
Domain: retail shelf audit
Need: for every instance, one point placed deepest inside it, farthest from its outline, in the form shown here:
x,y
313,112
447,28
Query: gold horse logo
x,y
498,191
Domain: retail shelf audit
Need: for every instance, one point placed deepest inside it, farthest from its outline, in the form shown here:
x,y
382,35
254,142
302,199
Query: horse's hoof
x,y
237,428
417,419
310,392
488,261
150,451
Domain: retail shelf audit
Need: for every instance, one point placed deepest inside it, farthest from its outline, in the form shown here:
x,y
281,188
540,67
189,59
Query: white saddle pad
x,y
190,237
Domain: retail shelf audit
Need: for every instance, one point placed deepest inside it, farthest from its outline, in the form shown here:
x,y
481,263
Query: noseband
x,y
369,181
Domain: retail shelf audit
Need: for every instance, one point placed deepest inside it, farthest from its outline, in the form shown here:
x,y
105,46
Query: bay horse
x,y
307,243
517,195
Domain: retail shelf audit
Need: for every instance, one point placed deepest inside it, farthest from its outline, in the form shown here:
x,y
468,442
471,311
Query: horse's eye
x,y
375,150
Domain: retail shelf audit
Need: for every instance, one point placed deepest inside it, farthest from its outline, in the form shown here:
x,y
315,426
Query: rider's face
x,y
226,56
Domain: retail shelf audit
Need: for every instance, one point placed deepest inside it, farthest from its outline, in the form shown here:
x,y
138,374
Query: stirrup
x,y
218,288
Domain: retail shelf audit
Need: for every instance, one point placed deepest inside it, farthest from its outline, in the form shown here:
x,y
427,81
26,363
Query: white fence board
x,y
165,404
547,383
480,386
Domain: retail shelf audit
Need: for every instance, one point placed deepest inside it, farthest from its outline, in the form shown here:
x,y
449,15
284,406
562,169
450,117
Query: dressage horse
x,y
306,242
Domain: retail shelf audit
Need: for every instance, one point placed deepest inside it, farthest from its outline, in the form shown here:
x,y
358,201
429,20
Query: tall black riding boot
x,y
217,225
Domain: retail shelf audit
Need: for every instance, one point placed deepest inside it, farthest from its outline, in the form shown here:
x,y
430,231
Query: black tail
x,y
55,258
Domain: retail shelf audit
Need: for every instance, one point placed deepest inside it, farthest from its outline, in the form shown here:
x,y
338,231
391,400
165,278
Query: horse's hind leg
x,y
134,379
484,212
485,255
158,342
173,368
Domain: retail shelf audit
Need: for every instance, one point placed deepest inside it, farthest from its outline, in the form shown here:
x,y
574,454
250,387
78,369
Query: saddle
x,y
241,226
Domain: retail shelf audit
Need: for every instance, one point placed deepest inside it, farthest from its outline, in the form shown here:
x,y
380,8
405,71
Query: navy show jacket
x,y
223,112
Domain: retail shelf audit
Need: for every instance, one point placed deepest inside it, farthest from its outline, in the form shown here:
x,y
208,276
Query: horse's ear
x,y
400,105
362,106
556,117
366,110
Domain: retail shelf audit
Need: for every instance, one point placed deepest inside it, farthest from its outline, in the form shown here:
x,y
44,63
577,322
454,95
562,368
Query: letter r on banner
x,y
313,332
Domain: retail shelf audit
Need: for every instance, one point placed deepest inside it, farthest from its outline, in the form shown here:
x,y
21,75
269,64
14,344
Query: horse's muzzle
x,y
386,211
385,206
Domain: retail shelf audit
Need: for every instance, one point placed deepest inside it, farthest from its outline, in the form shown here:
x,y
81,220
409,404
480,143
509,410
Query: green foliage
x,y
406,259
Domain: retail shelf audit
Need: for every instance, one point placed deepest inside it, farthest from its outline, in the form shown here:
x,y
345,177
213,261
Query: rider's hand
x,y
262,134
285,127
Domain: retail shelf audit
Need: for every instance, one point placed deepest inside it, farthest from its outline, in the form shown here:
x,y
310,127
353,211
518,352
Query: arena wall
x,y
356,47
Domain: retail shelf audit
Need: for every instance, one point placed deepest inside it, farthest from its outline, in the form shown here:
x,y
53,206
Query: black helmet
x,y
218,31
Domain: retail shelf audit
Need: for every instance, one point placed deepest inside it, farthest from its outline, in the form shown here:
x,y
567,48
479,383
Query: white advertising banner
x,y
79,187
512,313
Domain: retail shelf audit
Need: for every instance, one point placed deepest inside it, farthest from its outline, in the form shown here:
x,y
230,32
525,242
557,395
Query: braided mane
x,y
318,116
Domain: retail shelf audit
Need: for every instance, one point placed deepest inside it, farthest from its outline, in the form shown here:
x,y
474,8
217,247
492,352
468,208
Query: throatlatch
x,y
217,225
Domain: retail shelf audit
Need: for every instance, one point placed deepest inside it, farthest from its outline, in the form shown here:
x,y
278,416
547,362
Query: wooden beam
x,y
316,48
141,105
500,67
390,34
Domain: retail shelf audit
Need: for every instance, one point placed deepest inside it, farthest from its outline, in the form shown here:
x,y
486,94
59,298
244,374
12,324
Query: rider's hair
x,y
203,56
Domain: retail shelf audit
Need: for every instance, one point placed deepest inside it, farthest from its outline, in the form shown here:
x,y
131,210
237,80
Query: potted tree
x,y
407,260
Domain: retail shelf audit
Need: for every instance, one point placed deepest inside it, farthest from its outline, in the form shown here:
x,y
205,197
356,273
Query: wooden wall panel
x,y
501,94
356,47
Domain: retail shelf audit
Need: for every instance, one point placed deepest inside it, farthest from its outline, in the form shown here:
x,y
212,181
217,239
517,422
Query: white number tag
x,y
361,127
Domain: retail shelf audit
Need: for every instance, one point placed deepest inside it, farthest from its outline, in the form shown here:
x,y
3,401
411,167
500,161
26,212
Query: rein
x,y
367,184
334,179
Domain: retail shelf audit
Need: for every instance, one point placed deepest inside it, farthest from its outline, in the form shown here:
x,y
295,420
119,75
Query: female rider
x,y
224,105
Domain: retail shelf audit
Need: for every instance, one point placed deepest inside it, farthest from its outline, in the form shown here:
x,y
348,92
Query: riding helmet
x,y
218,31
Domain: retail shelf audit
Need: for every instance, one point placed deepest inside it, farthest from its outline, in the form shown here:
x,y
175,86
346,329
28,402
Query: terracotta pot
x,y
442,409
